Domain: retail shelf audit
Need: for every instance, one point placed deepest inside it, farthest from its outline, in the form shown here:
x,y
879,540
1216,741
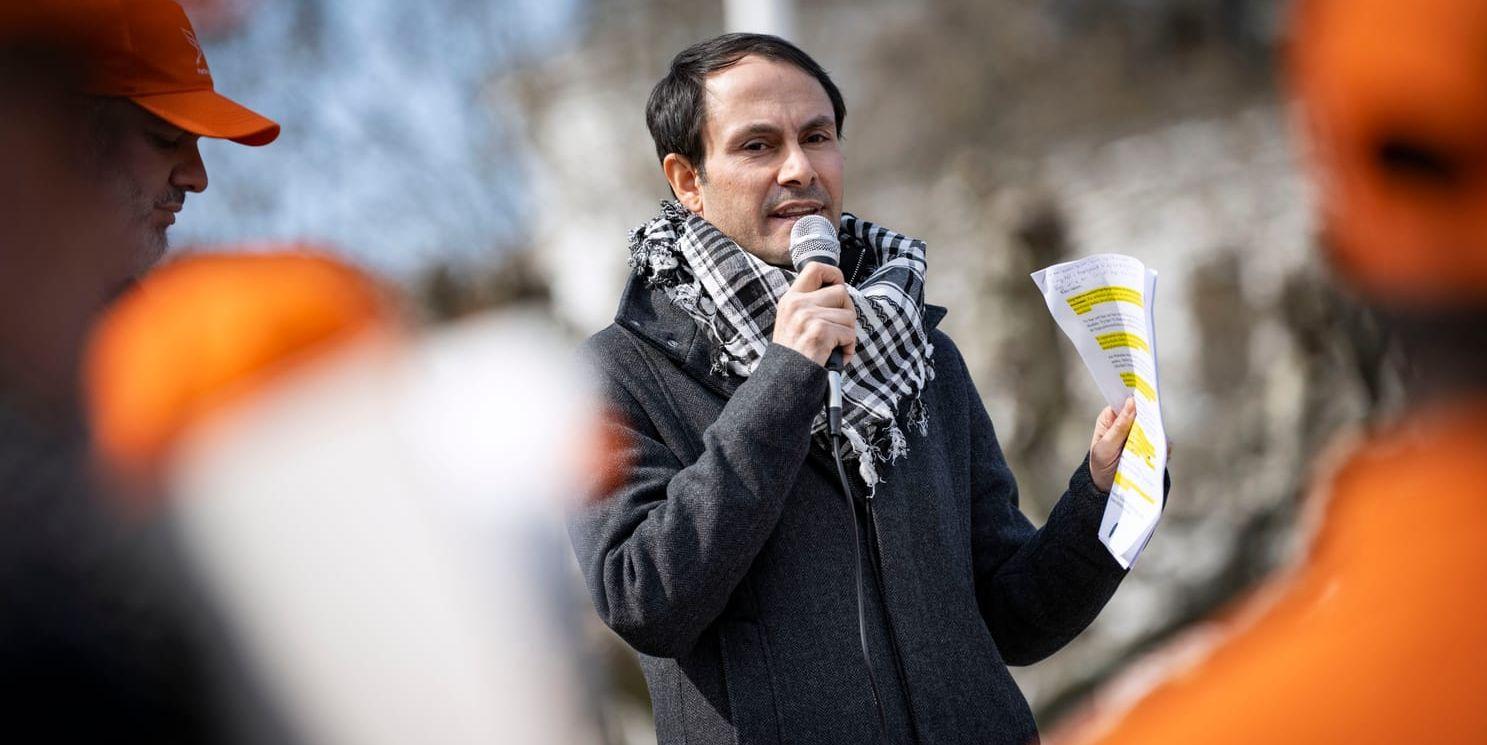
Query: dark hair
x,y
675,112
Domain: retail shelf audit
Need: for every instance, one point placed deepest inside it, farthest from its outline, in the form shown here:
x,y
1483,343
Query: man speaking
x,y
774,596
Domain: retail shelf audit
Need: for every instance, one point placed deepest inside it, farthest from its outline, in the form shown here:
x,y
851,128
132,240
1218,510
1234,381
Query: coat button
x,y
671,343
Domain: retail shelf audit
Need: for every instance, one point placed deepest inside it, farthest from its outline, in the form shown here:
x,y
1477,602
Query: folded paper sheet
x,y
1103,303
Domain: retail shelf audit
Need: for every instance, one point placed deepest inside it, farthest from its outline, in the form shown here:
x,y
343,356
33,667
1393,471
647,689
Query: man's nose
x,y
191,173
797,170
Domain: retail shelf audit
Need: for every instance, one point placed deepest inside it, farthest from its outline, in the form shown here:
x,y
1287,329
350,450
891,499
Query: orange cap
x,y
1393,99
143,50
202,332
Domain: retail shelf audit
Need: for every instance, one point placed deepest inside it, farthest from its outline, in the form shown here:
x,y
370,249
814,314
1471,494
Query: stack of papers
x,y
1103,304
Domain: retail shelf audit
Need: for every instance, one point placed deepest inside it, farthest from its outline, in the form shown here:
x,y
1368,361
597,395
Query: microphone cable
x,y
857,537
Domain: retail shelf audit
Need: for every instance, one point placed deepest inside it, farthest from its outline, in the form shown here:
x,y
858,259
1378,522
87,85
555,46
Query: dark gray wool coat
x,y
726,559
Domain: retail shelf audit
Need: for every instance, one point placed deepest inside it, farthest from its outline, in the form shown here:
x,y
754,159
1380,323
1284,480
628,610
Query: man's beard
x,y
153,240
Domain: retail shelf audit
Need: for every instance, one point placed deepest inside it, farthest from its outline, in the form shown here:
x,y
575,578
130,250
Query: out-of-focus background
x,y
480,153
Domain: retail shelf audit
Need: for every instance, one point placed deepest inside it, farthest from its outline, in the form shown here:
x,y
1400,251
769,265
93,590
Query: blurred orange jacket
x,y
1380,636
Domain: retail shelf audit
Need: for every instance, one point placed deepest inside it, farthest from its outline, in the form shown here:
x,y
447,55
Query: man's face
x,y
772,156
149,164
87,189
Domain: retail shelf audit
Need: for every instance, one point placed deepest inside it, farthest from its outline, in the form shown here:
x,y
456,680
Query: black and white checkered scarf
x,y
732,294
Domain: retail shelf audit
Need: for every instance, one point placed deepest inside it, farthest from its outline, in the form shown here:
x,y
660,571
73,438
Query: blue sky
x,y
393,150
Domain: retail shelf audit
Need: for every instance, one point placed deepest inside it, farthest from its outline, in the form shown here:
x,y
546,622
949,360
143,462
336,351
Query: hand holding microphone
x,y
816,317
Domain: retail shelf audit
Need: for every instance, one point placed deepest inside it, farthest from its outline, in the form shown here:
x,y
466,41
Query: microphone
x,y
813,238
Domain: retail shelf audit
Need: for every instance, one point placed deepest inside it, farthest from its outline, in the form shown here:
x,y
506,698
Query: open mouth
x,y
795,211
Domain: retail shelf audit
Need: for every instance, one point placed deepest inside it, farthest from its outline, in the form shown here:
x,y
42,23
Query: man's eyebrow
x,y
756,129
819,122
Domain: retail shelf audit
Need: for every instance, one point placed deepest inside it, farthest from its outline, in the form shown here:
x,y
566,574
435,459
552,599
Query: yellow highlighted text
x,y
1122,339
1140,445
1084,301
1132,380
1128,484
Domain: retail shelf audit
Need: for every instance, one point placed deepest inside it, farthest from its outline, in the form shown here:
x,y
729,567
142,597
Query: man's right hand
x,y
817,315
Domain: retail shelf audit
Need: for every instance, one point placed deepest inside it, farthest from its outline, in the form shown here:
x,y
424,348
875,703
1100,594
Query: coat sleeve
x,y
662,553
1036,588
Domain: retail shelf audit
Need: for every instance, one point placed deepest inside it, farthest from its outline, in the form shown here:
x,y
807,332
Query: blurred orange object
x,y
204,331
143,50
1376,638
372,516
1393,102
606,455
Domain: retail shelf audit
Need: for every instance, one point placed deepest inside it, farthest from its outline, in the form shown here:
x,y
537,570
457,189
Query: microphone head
x,y
813,238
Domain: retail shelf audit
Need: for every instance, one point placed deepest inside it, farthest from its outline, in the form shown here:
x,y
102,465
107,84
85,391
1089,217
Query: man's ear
x,y
685,183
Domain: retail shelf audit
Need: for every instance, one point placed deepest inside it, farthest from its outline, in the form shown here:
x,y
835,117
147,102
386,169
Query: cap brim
x,y
210,114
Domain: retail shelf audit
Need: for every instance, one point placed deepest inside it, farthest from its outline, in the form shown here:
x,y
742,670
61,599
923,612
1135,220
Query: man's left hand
x,y
1105,447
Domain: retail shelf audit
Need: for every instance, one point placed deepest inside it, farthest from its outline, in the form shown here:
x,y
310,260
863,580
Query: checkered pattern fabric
x,y
733,295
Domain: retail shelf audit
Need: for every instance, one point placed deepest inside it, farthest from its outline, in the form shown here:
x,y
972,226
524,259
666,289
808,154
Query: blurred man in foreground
x,y
103,102
1376,637
730,557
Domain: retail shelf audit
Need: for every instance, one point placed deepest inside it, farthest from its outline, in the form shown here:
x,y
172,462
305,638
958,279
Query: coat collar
x,y
649,314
